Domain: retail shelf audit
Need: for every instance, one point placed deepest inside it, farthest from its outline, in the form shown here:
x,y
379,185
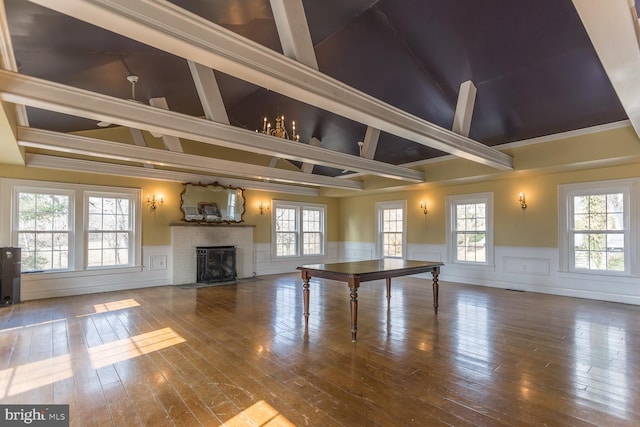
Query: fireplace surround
x,y
186,237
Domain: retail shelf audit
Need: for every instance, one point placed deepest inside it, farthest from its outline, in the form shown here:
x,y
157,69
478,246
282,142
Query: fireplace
x,y
215,264
186,237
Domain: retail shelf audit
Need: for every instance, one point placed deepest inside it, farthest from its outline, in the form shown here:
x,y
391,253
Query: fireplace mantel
x,y
185,237
209,224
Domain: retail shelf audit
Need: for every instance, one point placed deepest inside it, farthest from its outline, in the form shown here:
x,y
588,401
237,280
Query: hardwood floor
x,y
239,355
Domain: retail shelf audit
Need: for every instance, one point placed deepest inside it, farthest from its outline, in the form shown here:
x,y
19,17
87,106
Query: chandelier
x,y
280,130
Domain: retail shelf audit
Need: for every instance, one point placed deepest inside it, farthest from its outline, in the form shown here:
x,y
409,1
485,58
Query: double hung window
x,y
597,234
109,230
299,229
44,229
70,227
391,229
470,225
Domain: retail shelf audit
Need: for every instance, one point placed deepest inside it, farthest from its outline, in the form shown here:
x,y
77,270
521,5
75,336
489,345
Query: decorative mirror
x,y
212,203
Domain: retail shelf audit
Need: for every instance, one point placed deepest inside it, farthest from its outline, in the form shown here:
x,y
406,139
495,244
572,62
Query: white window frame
x,y
630,189
451,205
131,231
299,207
380,207
78,218
71,232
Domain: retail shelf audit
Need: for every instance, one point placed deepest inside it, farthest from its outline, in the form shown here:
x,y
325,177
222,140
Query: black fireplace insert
x,y
216,264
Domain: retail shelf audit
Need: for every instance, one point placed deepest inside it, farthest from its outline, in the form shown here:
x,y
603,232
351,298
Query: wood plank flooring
x,y
239,355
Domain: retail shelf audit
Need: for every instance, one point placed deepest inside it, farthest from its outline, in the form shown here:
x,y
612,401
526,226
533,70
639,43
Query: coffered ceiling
x,y
374,87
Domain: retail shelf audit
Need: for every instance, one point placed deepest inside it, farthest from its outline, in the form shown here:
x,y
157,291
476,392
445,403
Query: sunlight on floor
x,y
33,325
128,348
116,305
30,376
259,414
33,375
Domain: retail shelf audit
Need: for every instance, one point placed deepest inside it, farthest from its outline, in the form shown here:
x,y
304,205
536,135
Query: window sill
x,y
297,258
83,273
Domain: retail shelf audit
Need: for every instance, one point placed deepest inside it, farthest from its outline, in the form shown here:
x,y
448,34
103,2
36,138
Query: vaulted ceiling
x,y
350,69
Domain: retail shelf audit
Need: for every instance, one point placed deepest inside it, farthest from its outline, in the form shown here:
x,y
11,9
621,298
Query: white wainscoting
x,y
49,285
266,264
520,268
357,251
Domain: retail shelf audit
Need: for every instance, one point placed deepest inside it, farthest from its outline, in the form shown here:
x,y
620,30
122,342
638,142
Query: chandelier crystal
x,y
280,130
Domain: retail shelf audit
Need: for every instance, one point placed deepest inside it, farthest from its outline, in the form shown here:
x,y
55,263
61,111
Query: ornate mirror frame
x,y
212,203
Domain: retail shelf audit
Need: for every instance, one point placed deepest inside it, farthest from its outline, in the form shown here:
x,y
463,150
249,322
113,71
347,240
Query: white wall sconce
x,y
523,201
155,201
263,207
423,206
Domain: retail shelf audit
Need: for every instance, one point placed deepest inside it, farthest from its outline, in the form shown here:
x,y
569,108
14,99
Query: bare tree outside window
x,y
598,232
470,231
109,231
311,232
299,229
392,232
286,231
43,231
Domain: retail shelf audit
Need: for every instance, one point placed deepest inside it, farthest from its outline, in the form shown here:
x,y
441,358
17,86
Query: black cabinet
x,y
9,276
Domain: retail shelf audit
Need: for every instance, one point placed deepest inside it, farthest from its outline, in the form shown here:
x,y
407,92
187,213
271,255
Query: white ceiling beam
x,y
170,28
209,92
90,166
171,143
611,26
295,38
464,108
67,143
8,60
138,139
293,30
370,143
308,167
21,89
10,114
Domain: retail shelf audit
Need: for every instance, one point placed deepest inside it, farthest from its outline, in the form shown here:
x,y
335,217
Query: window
x,y
470,225
596,228
299,229
391,229
70,227
312,231
286,231
44,229
109,230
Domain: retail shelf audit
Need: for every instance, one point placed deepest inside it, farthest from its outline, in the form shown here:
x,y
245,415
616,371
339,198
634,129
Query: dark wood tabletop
x,y
372,269
355,272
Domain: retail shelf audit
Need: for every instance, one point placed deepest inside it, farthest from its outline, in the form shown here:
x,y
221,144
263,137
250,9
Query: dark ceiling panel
x,y
539,101
249,18
368,55
532,62
328,17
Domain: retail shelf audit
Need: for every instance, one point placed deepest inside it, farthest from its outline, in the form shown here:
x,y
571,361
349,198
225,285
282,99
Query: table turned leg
x,y
435,273
353,286
305,294
388,290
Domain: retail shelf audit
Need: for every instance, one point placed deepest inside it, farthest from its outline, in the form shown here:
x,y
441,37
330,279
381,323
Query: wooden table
x,y
363,271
